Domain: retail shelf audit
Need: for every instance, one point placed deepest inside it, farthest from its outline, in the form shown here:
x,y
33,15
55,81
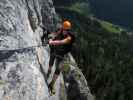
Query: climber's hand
x,y
44,43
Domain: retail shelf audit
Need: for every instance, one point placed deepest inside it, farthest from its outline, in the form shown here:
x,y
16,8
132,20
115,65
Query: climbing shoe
x,y
51,88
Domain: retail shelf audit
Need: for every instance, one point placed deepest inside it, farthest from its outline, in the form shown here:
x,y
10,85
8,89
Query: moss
x,y
2,82
66,68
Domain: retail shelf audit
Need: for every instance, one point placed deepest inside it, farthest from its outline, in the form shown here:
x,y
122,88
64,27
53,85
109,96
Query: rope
x,y
5,54
18,49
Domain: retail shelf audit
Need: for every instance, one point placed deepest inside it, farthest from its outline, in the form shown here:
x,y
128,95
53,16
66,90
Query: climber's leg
x,y
52,83
51,62
55,76
59,57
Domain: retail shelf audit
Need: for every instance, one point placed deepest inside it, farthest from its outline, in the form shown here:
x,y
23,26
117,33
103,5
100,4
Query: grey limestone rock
x,y
20,63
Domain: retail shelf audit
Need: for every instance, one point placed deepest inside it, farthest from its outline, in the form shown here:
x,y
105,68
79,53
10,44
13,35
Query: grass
x,y
81,8
110,27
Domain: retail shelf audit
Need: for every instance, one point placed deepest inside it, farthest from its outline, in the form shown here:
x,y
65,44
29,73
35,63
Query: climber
x,y
60,45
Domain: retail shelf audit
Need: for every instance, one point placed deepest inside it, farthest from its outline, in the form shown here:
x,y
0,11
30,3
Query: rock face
x,y
24,64
75,82
20,75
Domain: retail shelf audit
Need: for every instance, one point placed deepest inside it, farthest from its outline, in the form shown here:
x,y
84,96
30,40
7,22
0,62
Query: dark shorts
x,y
59,56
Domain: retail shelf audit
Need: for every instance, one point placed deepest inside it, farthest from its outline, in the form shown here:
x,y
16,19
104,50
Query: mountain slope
x,y
104,54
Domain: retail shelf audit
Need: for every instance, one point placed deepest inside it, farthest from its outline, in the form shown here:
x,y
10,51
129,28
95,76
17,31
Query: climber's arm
x,y
58,31
67,40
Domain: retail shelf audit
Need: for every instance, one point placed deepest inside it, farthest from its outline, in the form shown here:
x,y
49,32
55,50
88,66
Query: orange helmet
x,y
67,25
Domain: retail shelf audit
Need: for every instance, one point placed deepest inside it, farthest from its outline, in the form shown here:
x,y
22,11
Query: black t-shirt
x,y
65,48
